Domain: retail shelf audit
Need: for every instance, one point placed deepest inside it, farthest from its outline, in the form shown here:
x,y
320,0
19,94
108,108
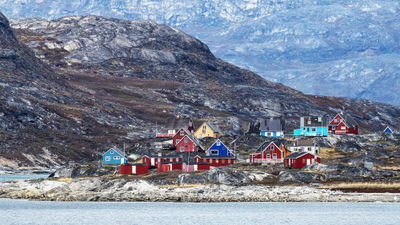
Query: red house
x,y
189,144
215,161
300,160
169,166
343,124
136,169
190,167
154,160
179,135
268,153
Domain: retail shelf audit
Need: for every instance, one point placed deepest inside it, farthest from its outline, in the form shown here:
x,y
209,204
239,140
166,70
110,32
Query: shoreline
x,y
120,190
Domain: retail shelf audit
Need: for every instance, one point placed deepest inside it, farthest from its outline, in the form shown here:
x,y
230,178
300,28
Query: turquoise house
x,y
312,126
272,127
114,157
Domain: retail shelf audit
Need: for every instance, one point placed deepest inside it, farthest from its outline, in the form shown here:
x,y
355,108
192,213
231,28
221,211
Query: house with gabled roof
x,y
304,145
208,129
179,135
343,124
312,126
219,149
388,130
114,156
189,143
272,127
300,159
268,152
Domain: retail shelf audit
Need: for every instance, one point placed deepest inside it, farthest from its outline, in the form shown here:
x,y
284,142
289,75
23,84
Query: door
x,y
308,162
133,169
152,162
195,167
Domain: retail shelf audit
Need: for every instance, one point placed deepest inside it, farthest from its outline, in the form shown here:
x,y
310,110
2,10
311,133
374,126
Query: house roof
x,y
388,128
184,129
117,151
214,128
296,155
271,125
137,164
194,139
314,121
217,157
222,144
349,121
265,145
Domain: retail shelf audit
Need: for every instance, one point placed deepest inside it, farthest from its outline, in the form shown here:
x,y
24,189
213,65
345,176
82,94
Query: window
x,y
182,133
316,151
177,141
333,128
313,129
336,120
116,157
275,156
108,158
112,152
343,128
309,122
304,128
186,146
186,140
268,156
216,160
204,129
182,149
309,149
218,143
214,152
319,119
272,147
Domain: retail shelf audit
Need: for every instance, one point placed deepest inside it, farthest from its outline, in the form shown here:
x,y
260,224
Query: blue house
x,y
272,127
388,130
219,149
114,157
312,126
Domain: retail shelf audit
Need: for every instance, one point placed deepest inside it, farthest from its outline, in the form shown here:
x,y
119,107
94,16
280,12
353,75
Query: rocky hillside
x,y
311,46
102,82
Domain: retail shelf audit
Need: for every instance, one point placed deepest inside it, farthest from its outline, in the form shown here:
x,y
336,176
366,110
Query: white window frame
x,y
313,129
275,156
108,158
182,149
214,152
116,158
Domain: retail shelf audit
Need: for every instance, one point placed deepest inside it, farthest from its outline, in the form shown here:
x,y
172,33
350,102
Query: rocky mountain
x,y
73,86
338,48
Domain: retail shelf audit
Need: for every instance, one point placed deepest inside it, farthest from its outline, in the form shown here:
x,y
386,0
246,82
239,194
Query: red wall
x,y
125,169
301,162
178,136
191,145
216,162
140,169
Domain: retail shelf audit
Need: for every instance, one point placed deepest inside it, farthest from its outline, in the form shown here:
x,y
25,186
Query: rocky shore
x,y
122,189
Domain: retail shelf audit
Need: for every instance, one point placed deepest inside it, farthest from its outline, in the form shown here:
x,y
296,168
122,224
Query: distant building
x,y
179,135
215,161
304,145
269,152
300,159
388,130
272,127
134,169
174,125
113,156
312,126
189,143
208,130
343,124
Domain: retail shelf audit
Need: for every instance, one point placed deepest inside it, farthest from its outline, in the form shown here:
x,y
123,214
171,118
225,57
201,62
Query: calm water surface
x,y
32,212
8,177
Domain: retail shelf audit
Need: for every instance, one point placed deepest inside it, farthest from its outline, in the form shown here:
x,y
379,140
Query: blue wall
x,y
111,158
308,131
273,134
387,130
219,149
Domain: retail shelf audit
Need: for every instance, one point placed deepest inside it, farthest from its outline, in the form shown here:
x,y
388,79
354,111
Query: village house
x,y
215,161
114,156
268,152
219,149
135,169
388,130
272,127
343,124
173,127
304,145
208,130
312,126
189,143
179,135
299,160
169,166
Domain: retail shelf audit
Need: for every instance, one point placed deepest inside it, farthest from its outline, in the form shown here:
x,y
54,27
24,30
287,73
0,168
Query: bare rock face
x,y
191,179
300,177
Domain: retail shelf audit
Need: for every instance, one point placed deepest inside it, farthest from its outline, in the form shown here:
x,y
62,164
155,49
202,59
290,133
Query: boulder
x,y
226,176
348,146
300,177
187,178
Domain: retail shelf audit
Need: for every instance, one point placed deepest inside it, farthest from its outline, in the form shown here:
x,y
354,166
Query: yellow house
x,y
207,130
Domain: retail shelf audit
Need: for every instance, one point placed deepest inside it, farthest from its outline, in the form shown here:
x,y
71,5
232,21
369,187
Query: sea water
x,y
39,212
8,177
